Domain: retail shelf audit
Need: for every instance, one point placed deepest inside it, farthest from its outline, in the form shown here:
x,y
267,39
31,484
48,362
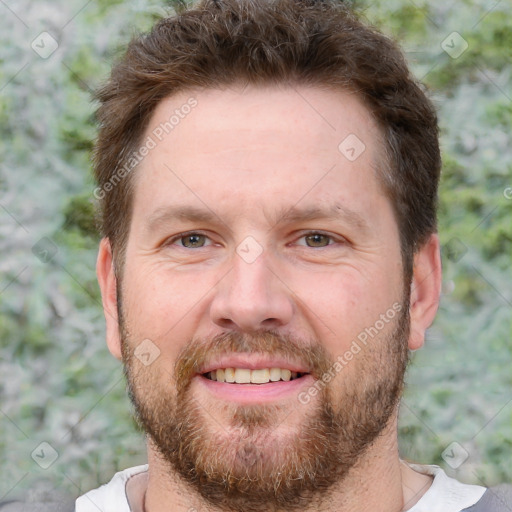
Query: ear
x,y
107,281
425,290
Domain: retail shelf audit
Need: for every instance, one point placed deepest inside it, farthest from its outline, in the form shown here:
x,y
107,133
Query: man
x,y
267,175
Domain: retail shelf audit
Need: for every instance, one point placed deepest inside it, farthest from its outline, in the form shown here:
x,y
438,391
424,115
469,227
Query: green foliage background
x,y
59,384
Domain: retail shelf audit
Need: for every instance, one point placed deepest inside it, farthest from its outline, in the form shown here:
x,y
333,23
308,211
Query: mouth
x,y
258,376
254,386
254,378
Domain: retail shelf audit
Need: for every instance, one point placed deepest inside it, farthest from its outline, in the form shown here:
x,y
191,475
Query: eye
x,y
195,240
189,240
316,239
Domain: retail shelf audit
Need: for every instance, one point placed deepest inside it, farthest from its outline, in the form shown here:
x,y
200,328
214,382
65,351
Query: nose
x,y
251,297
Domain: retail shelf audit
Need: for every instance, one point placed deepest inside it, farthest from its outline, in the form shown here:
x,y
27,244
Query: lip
x,y
255,393
253,362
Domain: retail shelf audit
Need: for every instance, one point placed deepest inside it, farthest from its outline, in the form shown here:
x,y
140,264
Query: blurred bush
x,y
58,382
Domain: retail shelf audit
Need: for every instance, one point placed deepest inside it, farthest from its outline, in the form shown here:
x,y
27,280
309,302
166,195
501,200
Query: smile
x,y
247,391
247,376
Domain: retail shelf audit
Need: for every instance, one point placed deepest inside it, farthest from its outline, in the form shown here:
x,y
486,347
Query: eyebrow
x,y
165,215
333,211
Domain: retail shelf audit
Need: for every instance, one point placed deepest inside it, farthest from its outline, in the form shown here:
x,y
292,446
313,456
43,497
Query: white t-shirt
x,y
444,495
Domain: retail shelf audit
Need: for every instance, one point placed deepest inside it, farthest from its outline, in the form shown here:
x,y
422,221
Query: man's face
x,y
286,252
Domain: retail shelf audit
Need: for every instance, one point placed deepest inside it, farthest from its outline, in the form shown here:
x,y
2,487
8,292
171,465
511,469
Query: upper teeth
x,y
246,376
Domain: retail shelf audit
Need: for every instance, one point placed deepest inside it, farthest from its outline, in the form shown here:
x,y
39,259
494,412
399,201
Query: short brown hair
x,y
263,42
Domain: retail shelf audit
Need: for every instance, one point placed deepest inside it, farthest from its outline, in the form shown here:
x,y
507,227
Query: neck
x,y
379,481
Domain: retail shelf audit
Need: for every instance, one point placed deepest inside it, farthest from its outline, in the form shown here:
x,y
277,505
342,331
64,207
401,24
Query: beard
x,y
255,460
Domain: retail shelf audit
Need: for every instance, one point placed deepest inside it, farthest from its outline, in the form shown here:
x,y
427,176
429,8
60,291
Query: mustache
x,y
202,351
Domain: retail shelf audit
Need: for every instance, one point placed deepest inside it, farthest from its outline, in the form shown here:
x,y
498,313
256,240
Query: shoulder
x,y
447,494
495,499
111,496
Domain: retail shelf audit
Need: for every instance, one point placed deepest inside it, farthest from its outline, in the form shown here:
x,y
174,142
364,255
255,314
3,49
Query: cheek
x,y
162,307
164,290
343,304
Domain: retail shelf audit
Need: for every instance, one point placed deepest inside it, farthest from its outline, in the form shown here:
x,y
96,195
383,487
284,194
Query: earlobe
x,y
425,290
108,285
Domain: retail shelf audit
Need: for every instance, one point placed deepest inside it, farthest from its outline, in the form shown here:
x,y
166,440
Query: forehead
x,y
300,112
271,145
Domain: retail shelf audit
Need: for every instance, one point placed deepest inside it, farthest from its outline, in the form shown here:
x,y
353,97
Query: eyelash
x,y
172,240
